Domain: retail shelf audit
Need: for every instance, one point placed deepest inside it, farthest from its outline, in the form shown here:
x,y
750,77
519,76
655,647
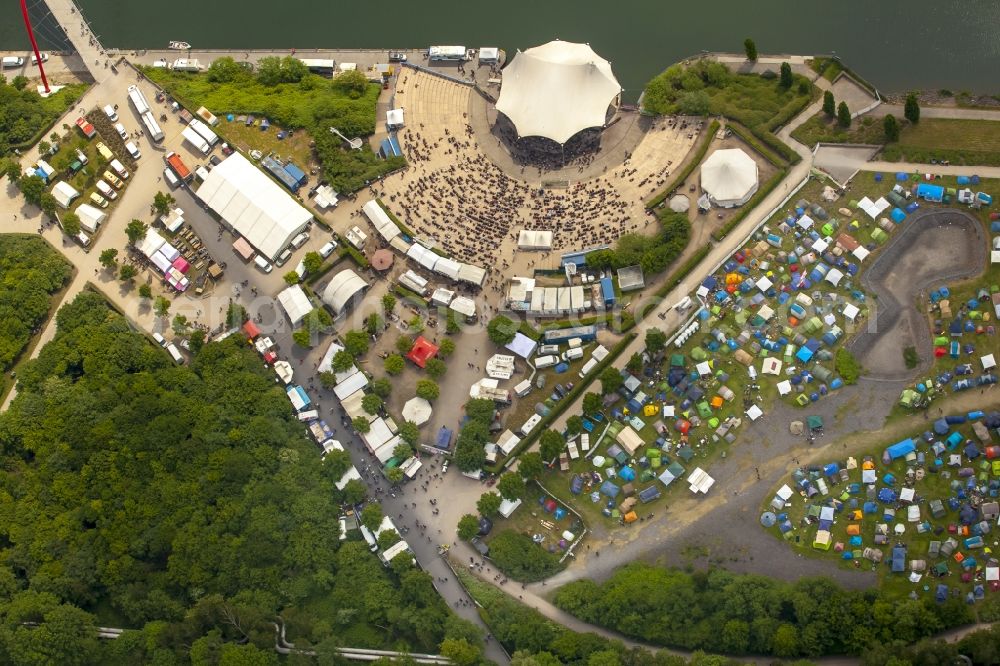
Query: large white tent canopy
x,y
254,205
342,288
295,303
556,90
729,176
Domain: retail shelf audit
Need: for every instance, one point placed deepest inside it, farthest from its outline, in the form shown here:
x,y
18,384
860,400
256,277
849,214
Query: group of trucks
x,y
200,136
141,106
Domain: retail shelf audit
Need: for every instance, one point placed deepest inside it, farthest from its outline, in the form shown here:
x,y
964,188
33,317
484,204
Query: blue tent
x,y
930,192
941,594
887,495
897,215
898,559
902,176
804,354
626,474
901,449
610,489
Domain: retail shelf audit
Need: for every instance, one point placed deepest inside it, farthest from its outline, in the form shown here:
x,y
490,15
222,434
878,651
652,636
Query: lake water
x,y
896,45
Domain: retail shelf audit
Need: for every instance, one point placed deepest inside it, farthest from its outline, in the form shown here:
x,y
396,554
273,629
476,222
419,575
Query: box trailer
x,y
177,165
196,141
152,127
202,129
138,100
447,53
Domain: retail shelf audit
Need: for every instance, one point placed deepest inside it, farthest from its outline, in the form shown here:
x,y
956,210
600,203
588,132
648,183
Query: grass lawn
x,y
295,147
755,101
829,68
972,142
819,128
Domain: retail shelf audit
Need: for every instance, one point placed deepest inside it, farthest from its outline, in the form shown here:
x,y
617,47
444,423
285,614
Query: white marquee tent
x,y
729,176
253,205
295,303
344,286
534,239
556,90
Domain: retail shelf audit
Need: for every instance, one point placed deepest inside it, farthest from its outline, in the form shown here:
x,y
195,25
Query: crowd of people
x,y
454,194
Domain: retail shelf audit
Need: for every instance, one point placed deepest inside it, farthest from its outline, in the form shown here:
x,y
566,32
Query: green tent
x,y
677,360
685,452
827,229
815,422
704,411
699,354
879,236
908,397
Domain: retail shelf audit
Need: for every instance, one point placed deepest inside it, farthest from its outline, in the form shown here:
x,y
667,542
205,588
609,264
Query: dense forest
x,y
182,502
741,614
30,272
24,113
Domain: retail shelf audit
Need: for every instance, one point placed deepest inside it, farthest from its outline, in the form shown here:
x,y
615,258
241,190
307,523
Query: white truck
x,y
196,141
203,131
152,127
138,100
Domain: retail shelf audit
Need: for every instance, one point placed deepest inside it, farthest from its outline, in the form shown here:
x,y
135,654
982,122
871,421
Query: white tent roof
x,y
464,305
295,303
64,193
394,117
90,217
254,205
471,274
423,256
557,89
354,383
380,220
534,239
342,288
447,267
728,175
151,242
417,410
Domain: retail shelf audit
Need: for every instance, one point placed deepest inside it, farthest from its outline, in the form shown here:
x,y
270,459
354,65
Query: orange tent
x,y
717,402
853,530
631,517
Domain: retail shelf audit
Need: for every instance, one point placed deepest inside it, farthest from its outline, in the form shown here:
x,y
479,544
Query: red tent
x,y
251,329
422,351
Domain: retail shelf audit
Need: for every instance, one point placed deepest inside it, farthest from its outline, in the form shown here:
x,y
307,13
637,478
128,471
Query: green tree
x,y
161,306
127,272
342,361
550,444
395,475
402,451
145,291
361,424
446,348
236,314
591,403
436,368
531,465
750,48
11,169
371,403
843,115
488,504
136,231
468,527
179,324
611,380
574,424
273,70
381,387
785,76
427,389
196,340
786,641
469,454
313,261
461,652
303,338
890,127
48,205
373,324
327,379
501,329
71,223
634,364
656,340
388,538
371,515
829,104
109,258
409,432
290,278
394,364
388,302
43,145
162,202
352,83
694,103
404,344
356,343
225,70
511,486
847,366
911,109
354,492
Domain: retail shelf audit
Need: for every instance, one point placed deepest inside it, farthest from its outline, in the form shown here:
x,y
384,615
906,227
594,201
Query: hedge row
x,y
765,151
564,404
750,205
681,176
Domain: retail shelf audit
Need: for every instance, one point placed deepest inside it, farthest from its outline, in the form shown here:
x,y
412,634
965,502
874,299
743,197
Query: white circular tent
x,y
557,90
729,177
417,410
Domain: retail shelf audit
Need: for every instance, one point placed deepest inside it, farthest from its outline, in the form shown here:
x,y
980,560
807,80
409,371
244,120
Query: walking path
x,y
955,112
84,41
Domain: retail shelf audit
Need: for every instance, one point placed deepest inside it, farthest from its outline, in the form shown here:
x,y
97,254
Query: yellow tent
x,y
822,540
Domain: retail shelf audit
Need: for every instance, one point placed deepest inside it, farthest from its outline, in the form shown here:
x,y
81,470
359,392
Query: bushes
x,y
28,116
653,253
847,366
750,205
522,559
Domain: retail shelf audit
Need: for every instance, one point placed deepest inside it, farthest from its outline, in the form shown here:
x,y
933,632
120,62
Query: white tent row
x,y
533,239
873,208
557,300
380,220
413,282
700,481
355,382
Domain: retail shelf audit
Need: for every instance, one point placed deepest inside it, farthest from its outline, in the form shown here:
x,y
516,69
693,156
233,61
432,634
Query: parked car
x,y
98,200
397,56
121,130
113,179
283,257
34,59
328,249
300,240
111,113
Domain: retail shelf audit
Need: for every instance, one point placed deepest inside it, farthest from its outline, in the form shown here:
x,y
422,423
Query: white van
x,y
122,132
369,538
572,354
175,354
548,349
587,367
160,340
83,239
119,169
110,112
300,240
575,343
133,150
262,264
683,304
12,61
309,415
546,361
106,190
343,528
172,180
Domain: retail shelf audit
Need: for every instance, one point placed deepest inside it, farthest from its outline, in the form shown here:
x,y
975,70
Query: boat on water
x,y
180,46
